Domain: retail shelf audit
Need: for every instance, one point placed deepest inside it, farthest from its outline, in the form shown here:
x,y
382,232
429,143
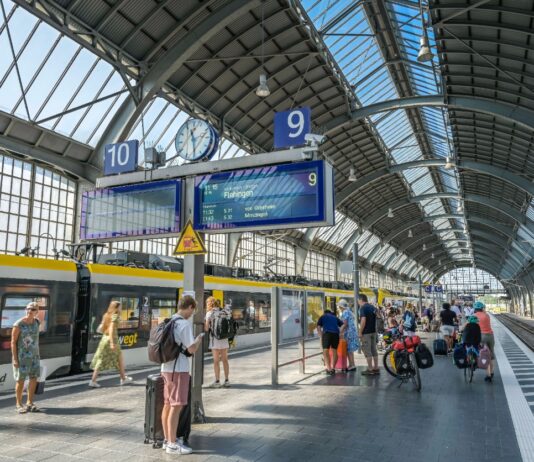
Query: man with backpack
x,y
176,377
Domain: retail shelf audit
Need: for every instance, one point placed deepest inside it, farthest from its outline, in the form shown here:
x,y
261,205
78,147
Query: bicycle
x,y
412,369
471,363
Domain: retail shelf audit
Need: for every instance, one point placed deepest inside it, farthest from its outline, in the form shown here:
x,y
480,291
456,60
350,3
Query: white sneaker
x,y
184,449
226,384
164,444
94,384
126,380
178,449
216,385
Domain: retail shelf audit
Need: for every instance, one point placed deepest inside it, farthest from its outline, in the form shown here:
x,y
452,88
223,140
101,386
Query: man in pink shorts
x,y
176,376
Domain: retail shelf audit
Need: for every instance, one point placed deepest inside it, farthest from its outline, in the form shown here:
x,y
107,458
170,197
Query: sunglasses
x,y
34,309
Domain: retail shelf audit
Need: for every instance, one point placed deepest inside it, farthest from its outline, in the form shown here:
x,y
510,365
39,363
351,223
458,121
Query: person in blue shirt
x,y
329,327
367,334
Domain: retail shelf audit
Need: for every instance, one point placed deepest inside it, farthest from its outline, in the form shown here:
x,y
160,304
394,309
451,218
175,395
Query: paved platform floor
x,y
347,417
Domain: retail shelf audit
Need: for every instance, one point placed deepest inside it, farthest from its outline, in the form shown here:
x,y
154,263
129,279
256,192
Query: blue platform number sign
x,y
428,289
121,157
290,127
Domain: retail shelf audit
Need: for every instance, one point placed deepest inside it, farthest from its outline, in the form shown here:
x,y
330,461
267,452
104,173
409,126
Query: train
x,y
74,296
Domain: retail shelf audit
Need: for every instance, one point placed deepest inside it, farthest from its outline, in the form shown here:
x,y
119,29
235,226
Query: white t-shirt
x,y
183,334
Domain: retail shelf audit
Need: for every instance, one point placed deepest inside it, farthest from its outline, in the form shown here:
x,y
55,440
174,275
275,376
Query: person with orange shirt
x,y
484,321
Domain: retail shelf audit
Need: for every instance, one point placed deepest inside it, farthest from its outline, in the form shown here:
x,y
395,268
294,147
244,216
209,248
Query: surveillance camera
x,y
313,138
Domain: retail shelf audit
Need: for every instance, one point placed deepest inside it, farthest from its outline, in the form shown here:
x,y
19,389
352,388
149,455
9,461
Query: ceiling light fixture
x,y
263,89
390,213
460,208
410,234
424,246
352,175
425,53
432,255
449,165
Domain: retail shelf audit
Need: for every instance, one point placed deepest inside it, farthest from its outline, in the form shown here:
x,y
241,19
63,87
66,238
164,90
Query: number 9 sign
x,y
290,127
121,157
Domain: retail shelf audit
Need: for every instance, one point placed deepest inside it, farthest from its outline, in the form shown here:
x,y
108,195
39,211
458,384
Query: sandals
x,y
30,407
21,409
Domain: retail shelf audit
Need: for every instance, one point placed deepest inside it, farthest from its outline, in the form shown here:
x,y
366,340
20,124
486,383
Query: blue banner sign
x,y
290,127
121,157
431,288
141,210
272,197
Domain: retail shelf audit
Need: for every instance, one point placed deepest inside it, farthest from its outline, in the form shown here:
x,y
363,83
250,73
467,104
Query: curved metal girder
x,y
517,180
479,199
465,264
472,217
489,262
517,114
122,122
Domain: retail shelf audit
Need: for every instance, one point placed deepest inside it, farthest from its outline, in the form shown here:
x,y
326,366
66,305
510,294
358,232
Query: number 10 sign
x,y
290,127
121,157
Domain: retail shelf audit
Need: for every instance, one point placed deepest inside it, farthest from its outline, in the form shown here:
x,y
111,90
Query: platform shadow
x,y
84,410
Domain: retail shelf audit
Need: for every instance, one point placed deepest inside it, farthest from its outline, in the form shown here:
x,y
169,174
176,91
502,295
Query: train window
x,y
243,310
262,312
130,312
14,308
162,308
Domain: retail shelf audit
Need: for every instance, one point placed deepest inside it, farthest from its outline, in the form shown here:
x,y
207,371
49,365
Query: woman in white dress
x,y
218,347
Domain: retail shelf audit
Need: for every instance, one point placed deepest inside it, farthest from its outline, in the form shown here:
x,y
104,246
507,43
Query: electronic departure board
x,y
271,197
141,210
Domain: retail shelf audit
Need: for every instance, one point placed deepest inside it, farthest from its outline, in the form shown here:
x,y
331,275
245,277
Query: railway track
x,y
520,328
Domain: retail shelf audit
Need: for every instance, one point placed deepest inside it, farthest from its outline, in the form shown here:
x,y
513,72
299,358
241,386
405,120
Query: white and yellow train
x,y
73,298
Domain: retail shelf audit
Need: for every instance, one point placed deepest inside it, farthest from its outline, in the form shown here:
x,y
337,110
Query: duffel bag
x,y
459,356
402,361
412,342
423,356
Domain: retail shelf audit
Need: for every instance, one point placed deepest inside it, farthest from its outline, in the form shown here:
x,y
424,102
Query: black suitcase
x,y
153,409
440,347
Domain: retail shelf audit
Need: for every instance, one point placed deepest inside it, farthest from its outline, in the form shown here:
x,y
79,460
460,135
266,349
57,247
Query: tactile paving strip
x,y
516,366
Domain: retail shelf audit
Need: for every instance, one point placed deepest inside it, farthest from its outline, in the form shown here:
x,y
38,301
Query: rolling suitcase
x,y
342,360
153,408
440,346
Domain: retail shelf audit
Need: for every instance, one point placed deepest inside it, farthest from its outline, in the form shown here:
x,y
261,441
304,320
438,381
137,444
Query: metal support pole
x,y
420,295
194,283
274,335
356,279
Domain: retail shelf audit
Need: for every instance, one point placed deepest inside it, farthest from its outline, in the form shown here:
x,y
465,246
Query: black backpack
x,y
161,345
222,326
423,356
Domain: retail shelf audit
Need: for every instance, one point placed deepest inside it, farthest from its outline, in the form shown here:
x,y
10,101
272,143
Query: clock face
x,y
196,139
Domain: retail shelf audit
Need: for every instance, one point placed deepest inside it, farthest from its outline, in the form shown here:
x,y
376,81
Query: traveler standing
x,y
488,338
350,332
176,378
447,318
455,306
218,347
329,328
409,322
108,354
368,335
26,359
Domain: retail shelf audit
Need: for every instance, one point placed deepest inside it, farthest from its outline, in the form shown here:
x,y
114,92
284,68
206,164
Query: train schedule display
x,y
271,197
141,210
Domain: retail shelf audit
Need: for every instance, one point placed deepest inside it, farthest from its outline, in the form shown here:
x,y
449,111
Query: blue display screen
x,y
282,195
140,210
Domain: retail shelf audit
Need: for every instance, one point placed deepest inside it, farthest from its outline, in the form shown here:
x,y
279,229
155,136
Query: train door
x,y
81,330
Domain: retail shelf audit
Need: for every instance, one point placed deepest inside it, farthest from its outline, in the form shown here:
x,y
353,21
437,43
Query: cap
x,y
343,303
478,306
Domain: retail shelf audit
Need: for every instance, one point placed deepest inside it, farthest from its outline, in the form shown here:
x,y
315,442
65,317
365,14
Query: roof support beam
x,y
516,114
517,180
72,166
493,203
122,123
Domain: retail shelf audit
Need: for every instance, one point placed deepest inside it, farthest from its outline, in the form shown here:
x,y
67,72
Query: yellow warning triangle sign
x,y
190,242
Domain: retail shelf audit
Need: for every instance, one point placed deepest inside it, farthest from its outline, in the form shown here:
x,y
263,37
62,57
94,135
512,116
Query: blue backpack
x,y
409,321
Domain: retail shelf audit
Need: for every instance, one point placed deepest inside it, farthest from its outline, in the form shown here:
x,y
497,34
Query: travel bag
x,y
184,422
440,347
484,358
153,409
459,356
342,360
423,356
